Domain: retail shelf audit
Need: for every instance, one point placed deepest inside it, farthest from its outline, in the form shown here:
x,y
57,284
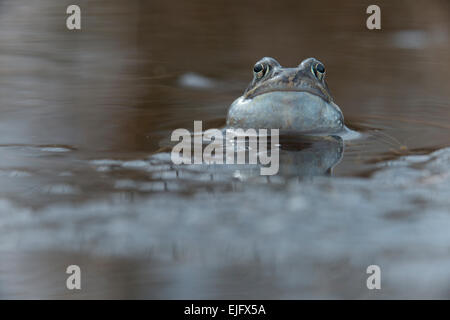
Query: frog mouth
x,y
320,94
302,86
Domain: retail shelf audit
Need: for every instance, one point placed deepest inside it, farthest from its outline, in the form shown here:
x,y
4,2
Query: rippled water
x,y
86,177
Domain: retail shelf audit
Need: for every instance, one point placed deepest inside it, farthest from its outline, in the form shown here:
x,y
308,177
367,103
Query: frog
x,y
289,99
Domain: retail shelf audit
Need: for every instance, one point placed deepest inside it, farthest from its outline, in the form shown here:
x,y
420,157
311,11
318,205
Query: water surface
x,y
87,114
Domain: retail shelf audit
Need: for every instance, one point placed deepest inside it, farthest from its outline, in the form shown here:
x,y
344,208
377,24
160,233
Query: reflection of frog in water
x,y
309,155
294,99
299,156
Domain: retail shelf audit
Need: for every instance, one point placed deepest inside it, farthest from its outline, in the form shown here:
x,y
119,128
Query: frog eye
x,y
259,70
318,70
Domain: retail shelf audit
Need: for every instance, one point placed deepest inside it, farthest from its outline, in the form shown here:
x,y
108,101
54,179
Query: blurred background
x,y
85,113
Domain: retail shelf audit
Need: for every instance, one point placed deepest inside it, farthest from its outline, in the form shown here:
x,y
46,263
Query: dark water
x,y
85,114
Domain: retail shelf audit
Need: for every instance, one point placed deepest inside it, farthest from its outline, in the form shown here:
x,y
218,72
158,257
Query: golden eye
x,y
319,71
259,70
